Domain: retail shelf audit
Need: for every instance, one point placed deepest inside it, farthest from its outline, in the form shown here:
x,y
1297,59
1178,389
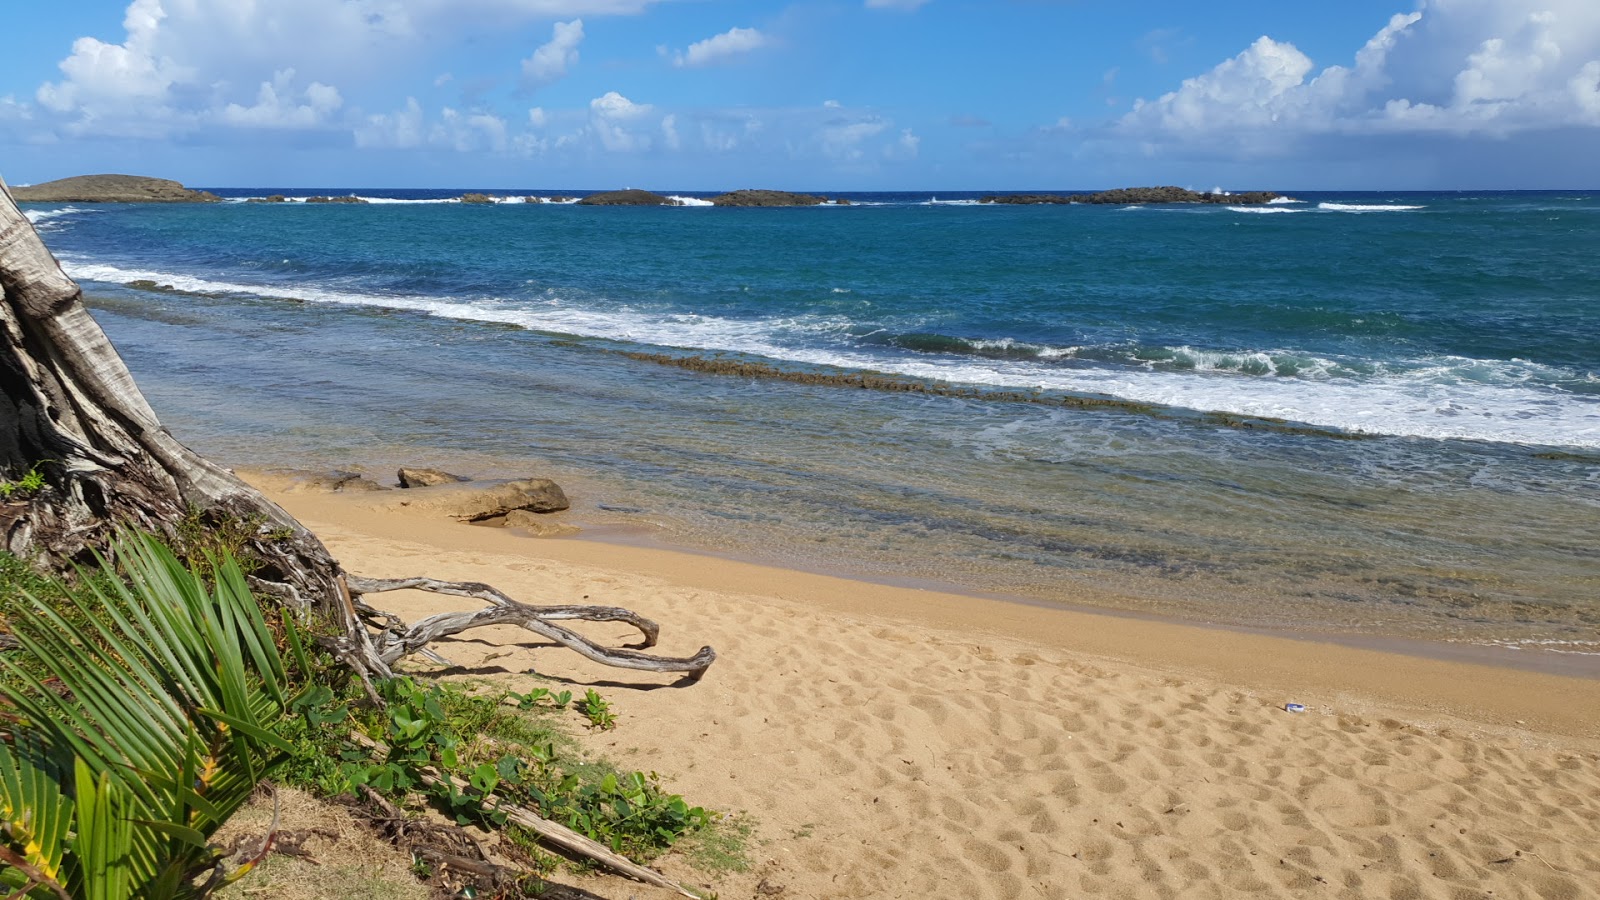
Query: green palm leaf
x,y
170,695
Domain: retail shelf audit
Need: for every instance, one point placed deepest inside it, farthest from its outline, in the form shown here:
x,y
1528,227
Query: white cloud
x,y
104,78
903,149
550,62
720,48
895,4
11,110
398,130
184,64
1585,87
1467,67
469,132
613,106
537,117
669,133
843,140
274,108
611,115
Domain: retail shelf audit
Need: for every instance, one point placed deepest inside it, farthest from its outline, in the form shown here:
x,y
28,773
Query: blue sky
x,y
810,94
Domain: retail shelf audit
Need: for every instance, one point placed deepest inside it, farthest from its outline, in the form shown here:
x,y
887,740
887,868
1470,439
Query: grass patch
x,y
721,848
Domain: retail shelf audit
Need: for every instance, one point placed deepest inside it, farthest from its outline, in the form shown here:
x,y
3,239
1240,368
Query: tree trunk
x,y
70,411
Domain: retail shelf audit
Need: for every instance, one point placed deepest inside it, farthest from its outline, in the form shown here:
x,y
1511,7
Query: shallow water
x,y
383,357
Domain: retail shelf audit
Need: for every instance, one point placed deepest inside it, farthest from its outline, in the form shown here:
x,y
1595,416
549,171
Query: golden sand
x,y
890,742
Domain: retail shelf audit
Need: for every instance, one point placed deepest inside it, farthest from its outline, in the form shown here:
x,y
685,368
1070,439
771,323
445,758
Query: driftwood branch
x,y
555,833
395,641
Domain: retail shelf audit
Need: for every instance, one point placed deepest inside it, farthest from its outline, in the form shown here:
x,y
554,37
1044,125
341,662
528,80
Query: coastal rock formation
x,y
476,198
629,197
415,478
537,526
272,198
766,198
346,199
1125,196
111,189
480,501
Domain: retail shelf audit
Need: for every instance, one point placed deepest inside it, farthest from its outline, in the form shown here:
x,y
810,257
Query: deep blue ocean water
x,y
1419,374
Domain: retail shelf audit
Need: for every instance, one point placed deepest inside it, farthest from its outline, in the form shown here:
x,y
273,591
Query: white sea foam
x,y
1265,209
1279,201
1548,645
44,219
690,201
935,201
1366,207
44,215
393,201
1451,398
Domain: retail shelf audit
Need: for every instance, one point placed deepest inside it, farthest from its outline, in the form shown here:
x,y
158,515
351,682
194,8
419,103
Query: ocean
x,y
1365,417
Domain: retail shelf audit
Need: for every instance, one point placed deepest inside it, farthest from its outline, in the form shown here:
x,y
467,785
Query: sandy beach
x,y
884,741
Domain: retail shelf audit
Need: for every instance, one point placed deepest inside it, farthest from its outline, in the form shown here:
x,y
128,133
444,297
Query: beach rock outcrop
x,y
1126,196
476,198
415,478
271,198
351,198
482,500
331,483
630,197
766,198
111,189
538,526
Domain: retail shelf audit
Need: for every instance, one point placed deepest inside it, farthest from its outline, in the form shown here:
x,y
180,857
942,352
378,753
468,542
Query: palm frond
x,y
169,693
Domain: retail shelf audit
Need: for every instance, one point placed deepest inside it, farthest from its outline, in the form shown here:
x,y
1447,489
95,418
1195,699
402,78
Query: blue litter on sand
x,y
1295,707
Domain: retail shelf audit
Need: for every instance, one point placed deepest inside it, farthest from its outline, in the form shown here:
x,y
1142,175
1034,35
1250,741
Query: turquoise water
x,y
1421,374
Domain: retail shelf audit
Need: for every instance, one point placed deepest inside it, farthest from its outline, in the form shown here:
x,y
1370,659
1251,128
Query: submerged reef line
x,y
876,381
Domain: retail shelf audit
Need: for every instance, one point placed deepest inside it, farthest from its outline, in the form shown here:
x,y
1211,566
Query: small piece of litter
x,y
1295,707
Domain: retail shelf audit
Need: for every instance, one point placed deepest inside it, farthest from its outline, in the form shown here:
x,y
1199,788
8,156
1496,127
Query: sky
x,y
806,94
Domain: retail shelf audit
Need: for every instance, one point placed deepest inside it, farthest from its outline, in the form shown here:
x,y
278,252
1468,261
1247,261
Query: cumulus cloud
x,y
276,108
613,118
182,64
550,62
1466,67
904,148
466,132
401,129
103,79
11,110
720,48
842,140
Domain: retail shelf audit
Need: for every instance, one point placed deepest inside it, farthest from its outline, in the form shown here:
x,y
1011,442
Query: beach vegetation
x,y
491,753
23,486
175,669
141,711
722,849
598,709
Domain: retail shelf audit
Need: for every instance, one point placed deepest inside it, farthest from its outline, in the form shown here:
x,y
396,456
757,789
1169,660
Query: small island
x,y
1125,196
111,189
629,197
750,197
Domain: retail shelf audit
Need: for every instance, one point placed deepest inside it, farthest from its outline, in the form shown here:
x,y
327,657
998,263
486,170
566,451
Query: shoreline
x,y
1577,665
1362,671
